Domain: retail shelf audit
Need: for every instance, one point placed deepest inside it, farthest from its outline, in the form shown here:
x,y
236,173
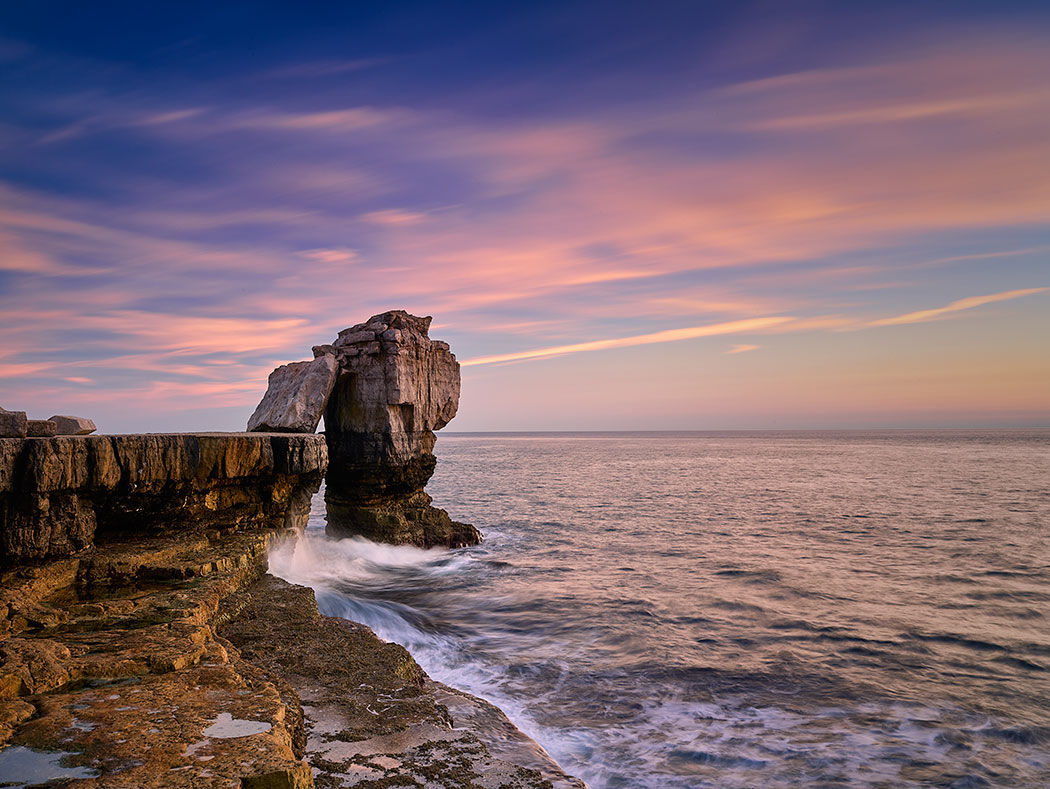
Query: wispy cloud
x,y
330,255
350,119
394,216
956,306
669,335
266,219
742,349
325,68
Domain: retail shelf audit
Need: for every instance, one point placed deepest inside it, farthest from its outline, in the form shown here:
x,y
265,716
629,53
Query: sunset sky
x,y
660,215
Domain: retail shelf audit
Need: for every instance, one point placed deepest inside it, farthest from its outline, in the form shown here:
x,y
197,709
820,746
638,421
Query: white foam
x,y
316,559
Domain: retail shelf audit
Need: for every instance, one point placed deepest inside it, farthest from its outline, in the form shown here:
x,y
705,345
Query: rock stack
x,y
383,387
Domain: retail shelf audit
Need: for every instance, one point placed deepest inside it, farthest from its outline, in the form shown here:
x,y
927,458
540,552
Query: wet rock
x,y
401,520
13,424
173,661
371,714
41,428
389,399
115,664
296,397
73,425
58,495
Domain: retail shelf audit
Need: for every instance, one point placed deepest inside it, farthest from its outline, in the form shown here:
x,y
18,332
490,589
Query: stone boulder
x,y
41,428
73,425
13,424
296,397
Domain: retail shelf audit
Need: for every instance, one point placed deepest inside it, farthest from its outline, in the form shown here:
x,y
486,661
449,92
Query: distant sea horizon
x,y
744,431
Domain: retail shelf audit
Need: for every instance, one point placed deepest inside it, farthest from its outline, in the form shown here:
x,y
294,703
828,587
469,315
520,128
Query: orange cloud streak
x,y
670,335
956,306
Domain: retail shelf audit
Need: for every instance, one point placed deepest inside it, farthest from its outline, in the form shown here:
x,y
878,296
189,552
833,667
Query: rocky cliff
x,y
60,495
384,387
142,644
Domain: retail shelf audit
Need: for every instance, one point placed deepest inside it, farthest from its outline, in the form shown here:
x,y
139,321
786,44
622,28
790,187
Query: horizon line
x,y
760,430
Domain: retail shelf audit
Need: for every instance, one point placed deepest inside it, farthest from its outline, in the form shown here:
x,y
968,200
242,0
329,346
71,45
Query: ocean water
x,y
816,609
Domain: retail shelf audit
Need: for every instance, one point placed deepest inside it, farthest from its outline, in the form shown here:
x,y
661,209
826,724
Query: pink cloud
x,y
394,216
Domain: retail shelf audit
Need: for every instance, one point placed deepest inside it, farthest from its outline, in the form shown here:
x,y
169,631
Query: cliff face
x,y
384,387
116,556
60,495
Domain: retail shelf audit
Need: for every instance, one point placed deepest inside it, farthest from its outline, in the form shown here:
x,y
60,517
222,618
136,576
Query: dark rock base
x,y
402,521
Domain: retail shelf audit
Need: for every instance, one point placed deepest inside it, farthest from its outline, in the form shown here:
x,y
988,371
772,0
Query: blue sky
x,y
676,215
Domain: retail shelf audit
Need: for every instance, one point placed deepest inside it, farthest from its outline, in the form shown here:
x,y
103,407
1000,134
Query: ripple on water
x,y
772,610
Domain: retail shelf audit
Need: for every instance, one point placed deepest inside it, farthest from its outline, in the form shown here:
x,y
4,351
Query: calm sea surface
x,y
735,609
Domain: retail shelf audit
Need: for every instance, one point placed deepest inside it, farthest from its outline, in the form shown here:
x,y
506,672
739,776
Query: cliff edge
x,y
142,643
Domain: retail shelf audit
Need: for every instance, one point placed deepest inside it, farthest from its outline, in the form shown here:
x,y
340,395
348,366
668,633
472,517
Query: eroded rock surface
x,y
372,717
111,657
13,424
60,495
296,397
173,661
41,428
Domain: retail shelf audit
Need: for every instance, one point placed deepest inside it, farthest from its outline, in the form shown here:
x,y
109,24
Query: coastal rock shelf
x,y
173,661
60,495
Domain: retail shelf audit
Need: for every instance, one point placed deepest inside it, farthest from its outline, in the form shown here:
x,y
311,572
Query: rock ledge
x,y
60,495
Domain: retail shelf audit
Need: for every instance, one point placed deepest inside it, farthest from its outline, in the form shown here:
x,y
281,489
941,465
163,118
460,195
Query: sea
x,y
734,609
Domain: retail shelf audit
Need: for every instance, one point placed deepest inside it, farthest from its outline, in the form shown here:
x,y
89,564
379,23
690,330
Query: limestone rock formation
x,y
295,397
60,495
391,388
13,424
73,425
396,386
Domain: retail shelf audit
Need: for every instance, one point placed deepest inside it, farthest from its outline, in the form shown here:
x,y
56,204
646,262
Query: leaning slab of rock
x,y
41,428
296,397
73,425
13,424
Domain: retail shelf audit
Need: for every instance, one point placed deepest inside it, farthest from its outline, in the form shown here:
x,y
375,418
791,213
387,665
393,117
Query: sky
x,y
621,215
